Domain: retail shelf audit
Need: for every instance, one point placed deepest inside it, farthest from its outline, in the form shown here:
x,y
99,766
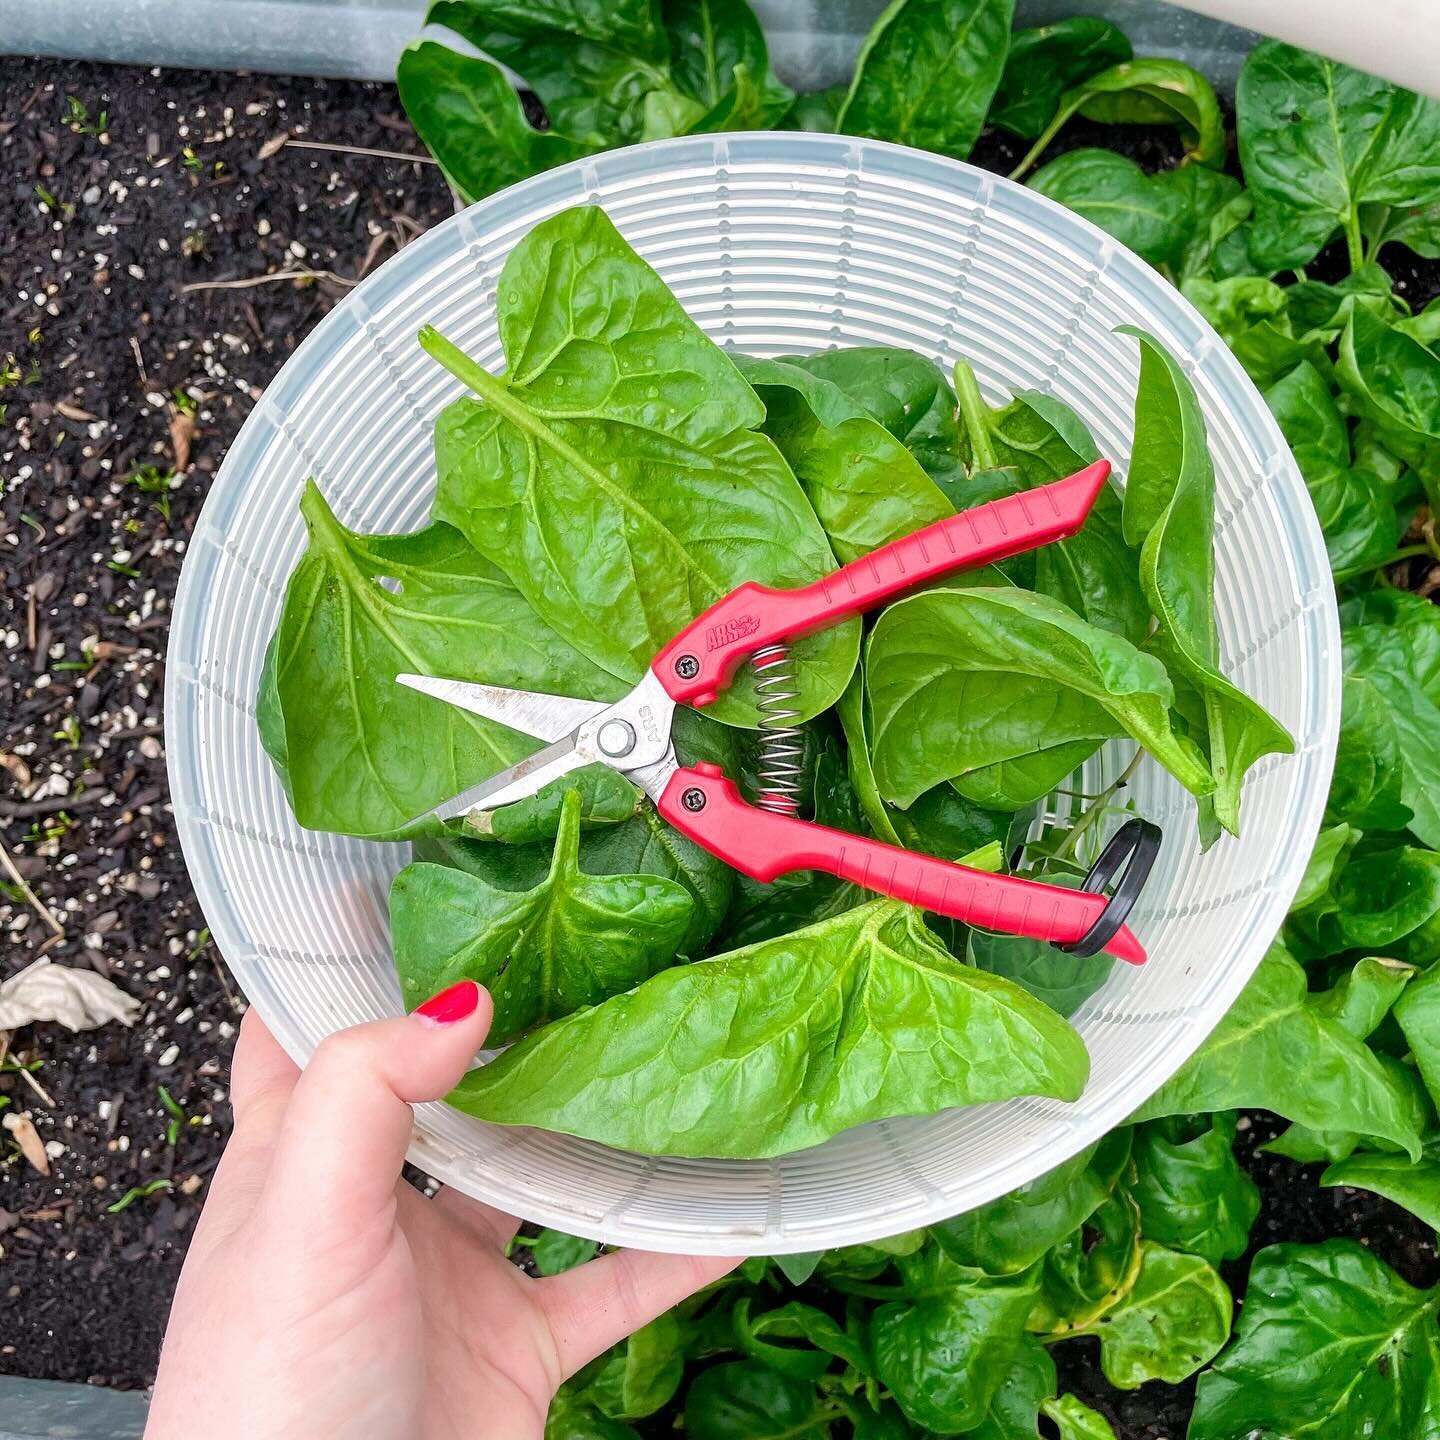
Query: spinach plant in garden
x,y
1283,236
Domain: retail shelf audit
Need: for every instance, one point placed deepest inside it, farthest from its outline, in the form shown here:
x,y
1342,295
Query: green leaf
x,y
1366,787
709,41
1277,1049
1417,1012
1331,1344
572,1418
1387,660
1394,380
815,110
1113,192
745,1401
1381,901
864,1016
1331,847
1171,1322
1090,1271
864,485
1234,306
1064,982
1193,1195
640,1375
927,73
622,434
1076,1421
1027,1380
942,1354
472,122
1095,573
1170,512
1319,140
824,1340
1148,91
362,755
1010,684
1045,62
1010,1234
572,940
1360,523
555,1252
1415,1187
798,1268
601,76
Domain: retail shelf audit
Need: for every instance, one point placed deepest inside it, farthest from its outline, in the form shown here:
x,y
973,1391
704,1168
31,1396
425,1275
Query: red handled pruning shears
x,y
764,841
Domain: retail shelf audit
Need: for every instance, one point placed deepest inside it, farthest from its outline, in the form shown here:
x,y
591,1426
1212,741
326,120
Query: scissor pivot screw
x,y
687,667
616,738
693,799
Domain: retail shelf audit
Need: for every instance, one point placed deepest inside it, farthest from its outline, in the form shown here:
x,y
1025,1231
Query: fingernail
x,y
451,1004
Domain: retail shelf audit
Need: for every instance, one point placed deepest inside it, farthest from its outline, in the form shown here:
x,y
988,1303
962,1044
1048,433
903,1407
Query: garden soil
x,y
143,214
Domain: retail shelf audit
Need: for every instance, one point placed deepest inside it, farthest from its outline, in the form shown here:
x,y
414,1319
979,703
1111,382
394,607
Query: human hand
x,y
323,1296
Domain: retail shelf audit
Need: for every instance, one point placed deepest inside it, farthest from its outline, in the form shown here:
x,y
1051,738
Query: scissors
x,y
768,839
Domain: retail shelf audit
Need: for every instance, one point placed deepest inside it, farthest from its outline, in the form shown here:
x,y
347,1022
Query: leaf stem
x,y
1407,552
1045,137
973,412
1354,249
1092,813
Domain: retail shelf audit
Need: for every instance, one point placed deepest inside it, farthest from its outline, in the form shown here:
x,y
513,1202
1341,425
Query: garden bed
x,y
123,188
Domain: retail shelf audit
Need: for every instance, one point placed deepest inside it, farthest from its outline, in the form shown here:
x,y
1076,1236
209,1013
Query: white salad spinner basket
x,y
775,243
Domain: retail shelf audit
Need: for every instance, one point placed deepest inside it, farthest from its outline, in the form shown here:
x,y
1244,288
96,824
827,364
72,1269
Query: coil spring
x,y
781,760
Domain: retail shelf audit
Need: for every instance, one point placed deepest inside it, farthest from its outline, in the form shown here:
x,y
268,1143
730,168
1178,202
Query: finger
x,y
491,1227
349,1122
595,1305
262,1076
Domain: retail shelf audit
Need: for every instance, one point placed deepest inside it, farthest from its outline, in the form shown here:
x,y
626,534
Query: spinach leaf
x,y
1415,1187
1277,1049
1090,1271
572,940
1010,1234
1074,1420
1148,91
1395,381
910,396
745,1401
791,1024
942,1352
1360,524
1418,1013
612,473
572,1418
1327,856
865,486
472,122
600,71
709,41
1193,1195
1064,982
1369,762
1041,439
1330,1342
640,1374
1147,216
1219,207
1381,900
927,73
556,1252
825,1340
1045,62
1169,512
1028,1380
362,755
815,110
1170,1322
798,1268
1318,141
1004,693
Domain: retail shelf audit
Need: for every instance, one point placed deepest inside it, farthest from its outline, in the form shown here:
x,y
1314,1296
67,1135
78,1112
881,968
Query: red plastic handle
x,y
703,658
703,805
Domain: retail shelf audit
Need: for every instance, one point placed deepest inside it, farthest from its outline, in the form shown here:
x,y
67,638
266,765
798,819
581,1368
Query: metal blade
x,y
519,782
546,717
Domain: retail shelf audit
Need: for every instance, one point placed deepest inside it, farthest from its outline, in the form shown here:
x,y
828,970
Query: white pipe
x,y
1396,39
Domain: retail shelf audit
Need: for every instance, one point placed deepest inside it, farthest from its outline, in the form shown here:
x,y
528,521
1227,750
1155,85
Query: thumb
x,y
349,1121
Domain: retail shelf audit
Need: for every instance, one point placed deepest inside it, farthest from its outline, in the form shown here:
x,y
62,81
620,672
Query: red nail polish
x,y
452,1004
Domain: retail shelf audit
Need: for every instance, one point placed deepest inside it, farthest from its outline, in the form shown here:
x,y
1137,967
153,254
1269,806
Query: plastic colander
x,y
775,243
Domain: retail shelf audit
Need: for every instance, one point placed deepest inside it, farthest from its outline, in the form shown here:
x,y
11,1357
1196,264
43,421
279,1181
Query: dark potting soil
x,y
120,191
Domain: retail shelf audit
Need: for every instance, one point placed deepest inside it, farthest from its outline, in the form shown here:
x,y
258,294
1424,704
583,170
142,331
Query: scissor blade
x,y
519,782
546,717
